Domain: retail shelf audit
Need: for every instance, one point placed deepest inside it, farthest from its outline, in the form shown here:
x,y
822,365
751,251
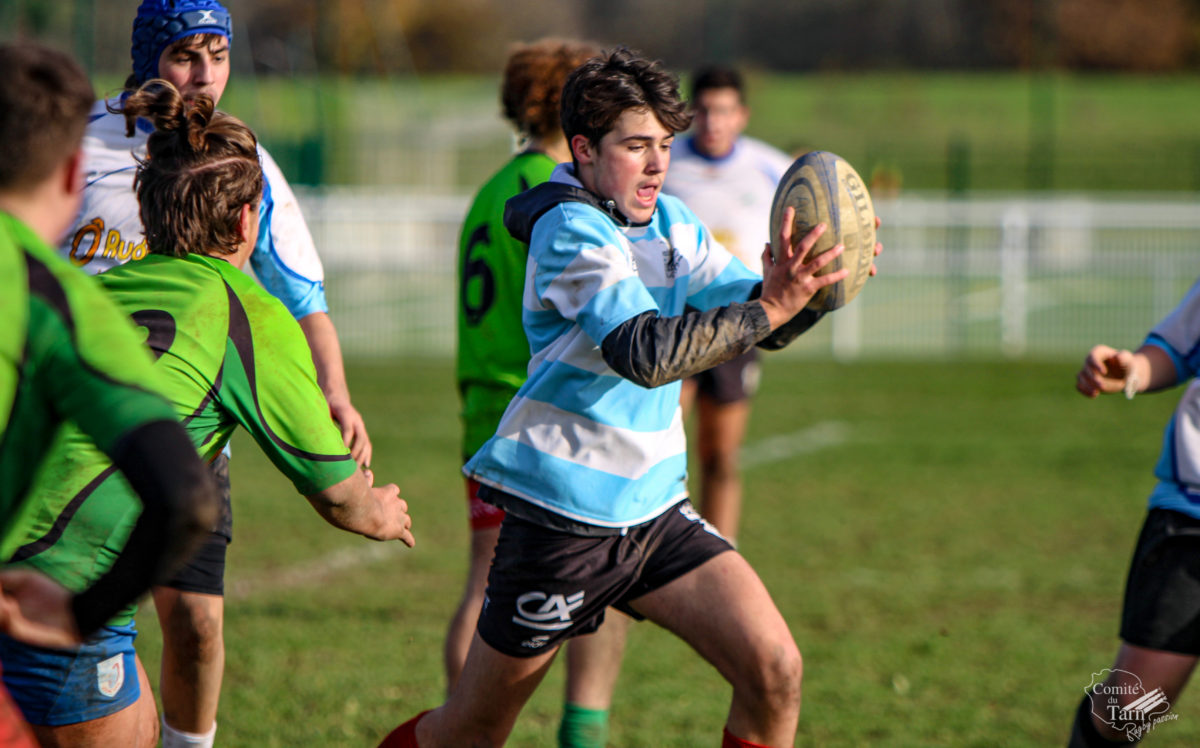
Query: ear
x,y
73,173
582,150
246,223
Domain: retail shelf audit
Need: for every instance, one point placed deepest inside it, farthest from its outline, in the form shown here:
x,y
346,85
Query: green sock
x,y
582,727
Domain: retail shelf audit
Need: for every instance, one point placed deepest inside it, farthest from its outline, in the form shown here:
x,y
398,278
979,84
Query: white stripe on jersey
x,y
578,439
590,271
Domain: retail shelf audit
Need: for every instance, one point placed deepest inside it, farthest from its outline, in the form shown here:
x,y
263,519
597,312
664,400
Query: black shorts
x,y
1162,593
546,586
733,381
205,571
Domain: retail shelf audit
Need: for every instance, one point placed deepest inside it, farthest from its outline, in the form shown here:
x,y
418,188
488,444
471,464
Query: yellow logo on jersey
x,y
114,247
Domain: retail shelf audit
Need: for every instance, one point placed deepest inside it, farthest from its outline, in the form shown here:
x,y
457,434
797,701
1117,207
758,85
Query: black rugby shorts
x,y
546,586
1162,592
204,572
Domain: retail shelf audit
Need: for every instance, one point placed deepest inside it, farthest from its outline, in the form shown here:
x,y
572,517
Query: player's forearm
x,y
179,505
784,329
1153,369
652,351
327,356
354,506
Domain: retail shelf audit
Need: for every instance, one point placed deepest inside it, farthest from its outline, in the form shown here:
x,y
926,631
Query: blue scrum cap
x,y
159,23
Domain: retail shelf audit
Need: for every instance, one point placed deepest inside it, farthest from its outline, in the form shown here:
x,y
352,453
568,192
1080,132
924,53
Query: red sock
x,y
404,736
732,741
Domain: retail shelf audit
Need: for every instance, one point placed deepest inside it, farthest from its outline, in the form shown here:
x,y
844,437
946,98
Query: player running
x,y
67,352
1160,641
589,460
229,354
493,355
187,42
728,179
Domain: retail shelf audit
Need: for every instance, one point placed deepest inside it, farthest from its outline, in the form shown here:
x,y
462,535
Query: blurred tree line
x,y
431,36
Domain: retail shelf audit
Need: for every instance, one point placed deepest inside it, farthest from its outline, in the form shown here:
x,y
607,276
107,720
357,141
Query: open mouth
x,y
647,194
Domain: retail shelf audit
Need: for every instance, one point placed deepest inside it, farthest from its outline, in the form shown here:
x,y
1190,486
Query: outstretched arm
x,y
331,375
1107,370
651,350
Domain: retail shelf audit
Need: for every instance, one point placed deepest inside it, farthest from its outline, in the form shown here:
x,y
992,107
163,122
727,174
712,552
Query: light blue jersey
x,y
1178,468
579,440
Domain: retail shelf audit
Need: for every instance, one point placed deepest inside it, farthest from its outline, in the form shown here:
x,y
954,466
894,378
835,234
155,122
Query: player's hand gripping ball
x,y
824,188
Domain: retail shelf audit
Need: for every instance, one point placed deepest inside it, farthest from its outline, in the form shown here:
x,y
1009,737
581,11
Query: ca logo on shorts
x,y
554,613
110,675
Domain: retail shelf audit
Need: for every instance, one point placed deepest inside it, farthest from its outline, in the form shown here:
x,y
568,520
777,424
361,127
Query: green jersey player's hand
x,y
356,505
37,610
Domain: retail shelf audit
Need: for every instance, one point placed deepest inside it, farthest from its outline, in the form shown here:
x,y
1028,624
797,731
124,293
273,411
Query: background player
x,y
1160,641
589,460
229,354
493,355
187,42
728,179
66,351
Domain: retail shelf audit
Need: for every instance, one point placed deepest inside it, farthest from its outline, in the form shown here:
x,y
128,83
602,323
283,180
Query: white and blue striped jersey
x,y
108,230
732,194
577,439
1178,468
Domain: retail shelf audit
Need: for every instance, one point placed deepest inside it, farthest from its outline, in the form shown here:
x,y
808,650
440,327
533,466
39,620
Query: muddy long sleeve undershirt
x,y
652,351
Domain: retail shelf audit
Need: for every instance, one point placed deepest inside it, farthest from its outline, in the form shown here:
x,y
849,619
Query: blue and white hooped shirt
x,y
578,439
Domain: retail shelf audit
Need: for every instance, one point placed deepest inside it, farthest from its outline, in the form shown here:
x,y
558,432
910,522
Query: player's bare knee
x,y
776,681
197,629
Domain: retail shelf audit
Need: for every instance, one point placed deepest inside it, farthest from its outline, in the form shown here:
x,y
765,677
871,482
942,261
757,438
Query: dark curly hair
x,y
533,82
201,167
602,88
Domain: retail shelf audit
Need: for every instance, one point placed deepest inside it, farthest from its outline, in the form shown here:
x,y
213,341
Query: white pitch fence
x,y
1019,276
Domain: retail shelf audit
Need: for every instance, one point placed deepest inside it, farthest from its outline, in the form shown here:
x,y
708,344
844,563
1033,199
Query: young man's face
x,y
629,164
720,119
196,69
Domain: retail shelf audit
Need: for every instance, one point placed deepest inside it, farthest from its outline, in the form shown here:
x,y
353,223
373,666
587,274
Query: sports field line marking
x,y
310,572
784,446
772,449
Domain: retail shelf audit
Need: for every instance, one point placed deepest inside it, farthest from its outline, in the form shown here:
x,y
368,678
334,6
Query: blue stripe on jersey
x,y
1176,497
527,472
735,281
577,439
300,295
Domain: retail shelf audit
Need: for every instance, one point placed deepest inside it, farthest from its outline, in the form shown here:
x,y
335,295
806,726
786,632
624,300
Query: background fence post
x,y
1014,276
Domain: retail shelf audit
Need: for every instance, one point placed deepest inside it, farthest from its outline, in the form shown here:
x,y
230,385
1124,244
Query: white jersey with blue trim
x,y
578,439
108,230
731,194
1178,467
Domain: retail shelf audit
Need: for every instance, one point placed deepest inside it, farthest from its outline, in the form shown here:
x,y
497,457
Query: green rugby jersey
x,y
66,352
229,355
493,352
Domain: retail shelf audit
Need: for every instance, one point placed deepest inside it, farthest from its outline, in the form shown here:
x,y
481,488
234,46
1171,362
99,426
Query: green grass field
x,y
947,541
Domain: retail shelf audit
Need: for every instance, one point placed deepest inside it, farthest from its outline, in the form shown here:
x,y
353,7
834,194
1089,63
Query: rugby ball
x,y
825,188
